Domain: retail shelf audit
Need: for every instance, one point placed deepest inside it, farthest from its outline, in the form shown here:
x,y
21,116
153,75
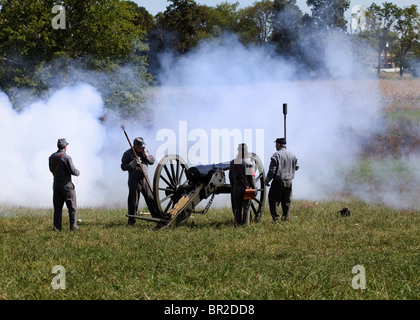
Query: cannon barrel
x,y
201,173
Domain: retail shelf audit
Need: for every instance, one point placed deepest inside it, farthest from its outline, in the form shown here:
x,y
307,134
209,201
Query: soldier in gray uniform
x,y
282,169
62,168
241,176
136,180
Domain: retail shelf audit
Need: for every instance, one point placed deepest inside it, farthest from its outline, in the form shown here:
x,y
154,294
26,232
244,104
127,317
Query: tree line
x,y
117,43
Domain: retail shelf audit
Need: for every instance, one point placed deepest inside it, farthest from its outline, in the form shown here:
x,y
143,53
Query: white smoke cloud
x,y
28,138
228,86
218,86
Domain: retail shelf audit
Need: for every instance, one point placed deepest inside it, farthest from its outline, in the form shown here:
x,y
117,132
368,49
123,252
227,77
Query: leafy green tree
x,y
25,41
380,21
408,28
389,26
184,19
101,35
256,23
286,27
178,29
223,18
329,13
102,28
142,17
317,30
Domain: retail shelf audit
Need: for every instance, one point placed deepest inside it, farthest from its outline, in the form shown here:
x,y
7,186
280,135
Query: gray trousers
x,y
135,187
65,194
280,193
241,209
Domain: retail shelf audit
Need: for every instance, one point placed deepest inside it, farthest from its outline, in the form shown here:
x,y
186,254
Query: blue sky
x,y
155,6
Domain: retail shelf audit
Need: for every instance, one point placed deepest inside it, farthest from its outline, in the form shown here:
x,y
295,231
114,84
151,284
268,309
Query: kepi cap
x,y
280,140
61,143
139,142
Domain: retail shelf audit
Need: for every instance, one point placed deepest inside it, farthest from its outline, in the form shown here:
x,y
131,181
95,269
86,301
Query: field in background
x,y
389,159
309,257
402,108
400,93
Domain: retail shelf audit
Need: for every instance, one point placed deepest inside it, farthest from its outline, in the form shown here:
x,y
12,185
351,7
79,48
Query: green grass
x,y
412,114
309,257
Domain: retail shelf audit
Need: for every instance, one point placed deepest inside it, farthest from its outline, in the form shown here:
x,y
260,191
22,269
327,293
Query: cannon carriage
x,y
178,189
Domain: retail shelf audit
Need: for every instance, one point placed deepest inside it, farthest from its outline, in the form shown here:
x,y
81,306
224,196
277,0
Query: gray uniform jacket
x,y
282,166
134,174
62,167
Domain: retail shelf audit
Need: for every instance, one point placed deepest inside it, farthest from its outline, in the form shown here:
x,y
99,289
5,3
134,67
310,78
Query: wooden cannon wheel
x,y
170,173
257,204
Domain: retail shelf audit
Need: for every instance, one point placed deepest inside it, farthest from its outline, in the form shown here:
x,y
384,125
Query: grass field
x,y
309,257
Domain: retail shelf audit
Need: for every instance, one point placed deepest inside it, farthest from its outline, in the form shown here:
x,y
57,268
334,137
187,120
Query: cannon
x,y
178,189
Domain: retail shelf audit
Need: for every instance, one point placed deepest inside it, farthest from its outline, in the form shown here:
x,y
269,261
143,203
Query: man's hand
x,y
145,152
133,163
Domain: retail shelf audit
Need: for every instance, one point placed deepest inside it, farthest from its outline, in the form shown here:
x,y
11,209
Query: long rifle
x,y
135,154
284,113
